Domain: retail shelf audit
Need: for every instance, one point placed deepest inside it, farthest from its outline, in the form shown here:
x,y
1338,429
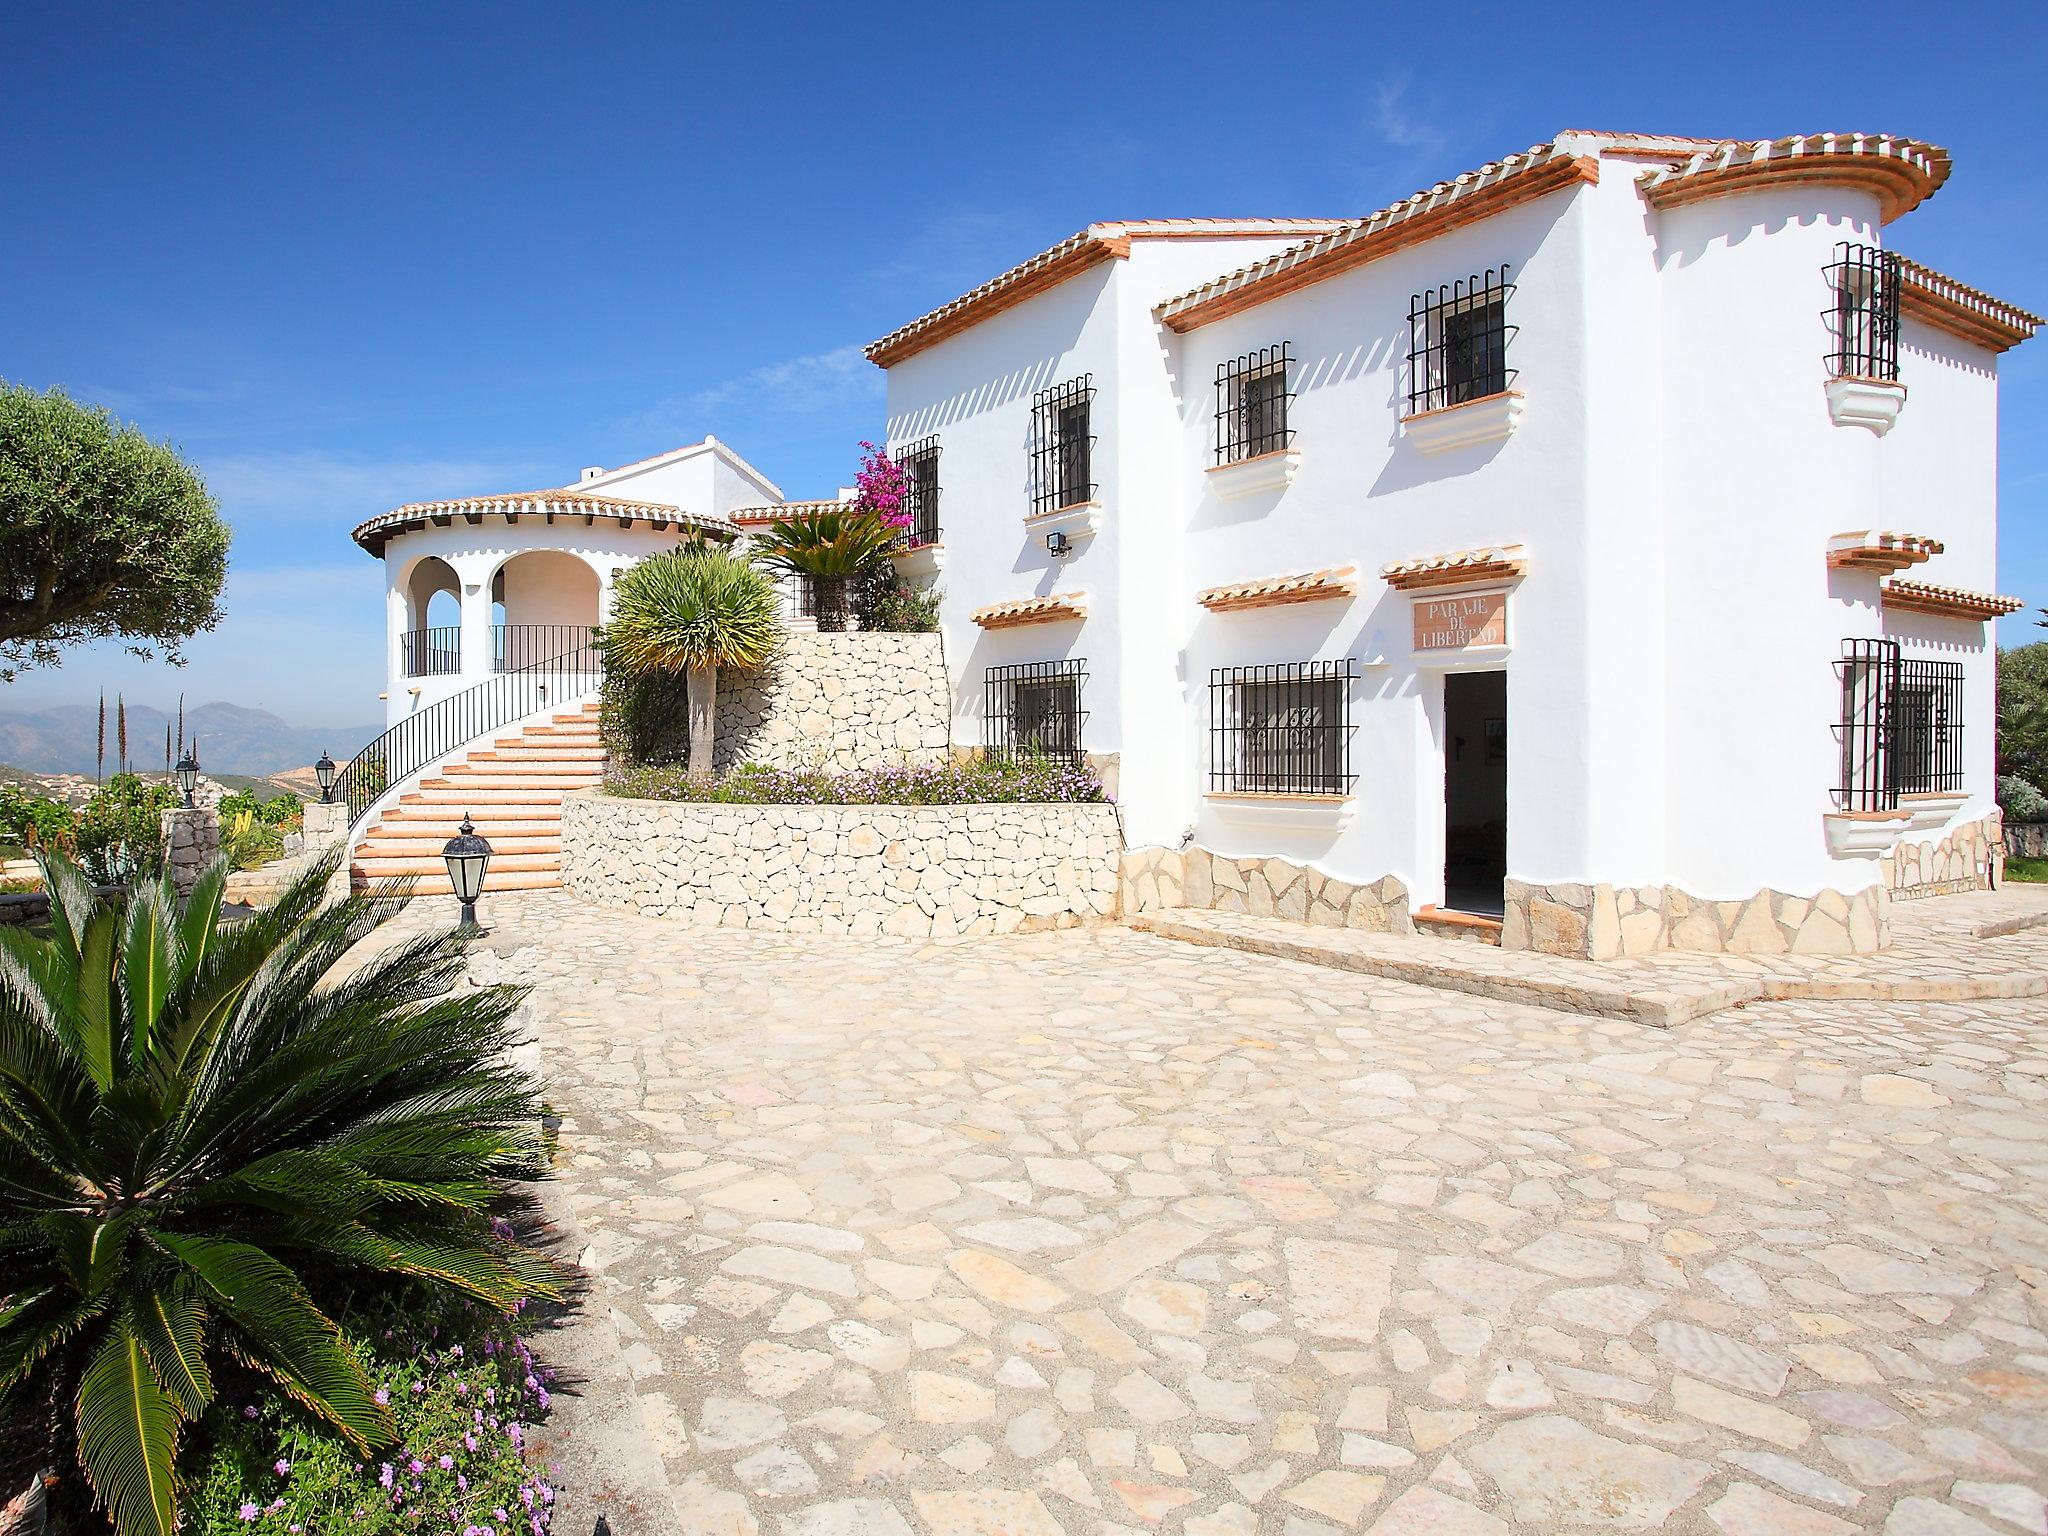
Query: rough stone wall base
x,y
1591,921
2026,839
191,840
1966,858
1155,879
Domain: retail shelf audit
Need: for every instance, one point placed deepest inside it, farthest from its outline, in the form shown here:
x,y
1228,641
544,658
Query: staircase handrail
x,y
427,735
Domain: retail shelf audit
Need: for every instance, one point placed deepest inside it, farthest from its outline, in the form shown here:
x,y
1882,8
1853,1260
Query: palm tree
x,y
830,547
690,612
205,1134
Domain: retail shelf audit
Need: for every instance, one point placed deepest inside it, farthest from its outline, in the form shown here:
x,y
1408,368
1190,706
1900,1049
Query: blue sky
x,y
346,257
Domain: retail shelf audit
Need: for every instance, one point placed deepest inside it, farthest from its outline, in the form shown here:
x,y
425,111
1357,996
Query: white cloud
x,y
311,486
822,382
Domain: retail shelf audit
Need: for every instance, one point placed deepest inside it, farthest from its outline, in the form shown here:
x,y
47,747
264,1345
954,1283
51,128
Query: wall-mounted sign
x,y
1468,622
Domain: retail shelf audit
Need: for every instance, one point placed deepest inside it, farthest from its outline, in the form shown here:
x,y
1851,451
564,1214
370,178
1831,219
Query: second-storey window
x,y
1034,708
1281,730
1901,725
1063,446
1866,313
1458,337
920,464
1251,405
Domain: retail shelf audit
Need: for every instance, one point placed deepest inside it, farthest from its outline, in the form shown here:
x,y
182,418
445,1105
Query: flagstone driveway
x,y
1095,1232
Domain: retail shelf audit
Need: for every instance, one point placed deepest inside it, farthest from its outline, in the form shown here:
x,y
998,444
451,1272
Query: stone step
x,y
1645,994
1467,927
514,778
509,814
391,865
424,844
441,792
437,885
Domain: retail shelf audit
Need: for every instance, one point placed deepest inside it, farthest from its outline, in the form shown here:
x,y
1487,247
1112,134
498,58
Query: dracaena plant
x,y
210,1130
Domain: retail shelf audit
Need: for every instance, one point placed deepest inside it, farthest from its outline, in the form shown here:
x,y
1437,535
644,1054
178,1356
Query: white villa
x,y
1593,552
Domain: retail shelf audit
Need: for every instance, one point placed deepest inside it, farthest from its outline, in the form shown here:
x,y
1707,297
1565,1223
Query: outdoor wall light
x,y
467,857
188,777
324,771
1058,545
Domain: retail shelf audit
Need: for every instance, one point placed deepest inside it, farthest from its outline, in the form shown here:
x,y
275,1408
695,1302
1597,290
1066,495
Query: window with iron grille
x,y
1034,707
920,464
806,596
1251,405
1901,726
1866,313
1458,337
1281,730
1063,450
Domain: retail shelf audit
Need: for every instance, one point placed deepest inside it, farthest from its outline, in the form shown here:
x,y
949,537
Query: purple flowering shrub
x,y
973,781
464,1391
881,486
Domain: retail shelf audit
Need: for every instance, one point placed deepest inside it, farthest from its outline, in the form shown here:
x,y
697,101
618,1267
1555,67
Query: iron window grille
x,y
1865,313
1901,726
1063,449
1458,337
1251,405
1034,707
806,596
920,464
1281,730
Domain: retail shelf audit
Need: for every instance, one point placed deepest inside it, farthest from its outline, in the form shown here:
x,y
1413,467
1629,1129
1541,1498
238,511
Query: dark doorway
x,y
1475,791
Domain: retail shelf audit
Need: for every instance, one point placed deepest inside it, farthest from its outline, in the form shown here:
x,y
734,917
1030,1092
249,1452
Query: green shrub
x,y
463,1390
974,781
2023,713
30,821
2020,800
120,835
883,601
209,1147
246,842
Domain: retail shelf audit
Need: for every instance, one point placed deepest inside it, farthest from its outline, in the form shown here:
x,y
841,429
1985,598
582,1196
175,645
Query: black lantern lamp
x,y
324,771
467,857
188,777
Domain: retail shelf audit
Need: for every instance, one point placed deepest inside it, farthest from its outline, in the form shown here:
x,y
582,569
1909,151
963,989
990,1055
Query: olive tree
x,y
103,534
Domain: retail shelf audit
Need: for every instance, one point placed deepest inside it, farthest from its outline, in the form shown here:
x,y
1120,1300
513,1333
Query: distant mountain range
x,y
229,738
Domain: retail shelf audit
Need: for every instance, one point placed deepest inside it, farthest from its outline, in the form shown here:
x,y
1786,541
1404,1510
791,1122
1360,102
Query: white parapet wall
x,y
911,870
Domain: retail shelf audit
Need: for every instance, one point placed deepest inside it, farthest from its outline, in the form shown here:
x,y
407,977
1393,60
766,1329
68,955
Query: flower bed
x,y
917,867
463,1390
982,781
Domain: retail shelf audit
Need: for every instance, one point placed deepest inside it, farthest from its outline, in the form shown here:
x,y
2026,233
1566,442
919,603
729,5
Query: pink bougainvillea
x,y
881,487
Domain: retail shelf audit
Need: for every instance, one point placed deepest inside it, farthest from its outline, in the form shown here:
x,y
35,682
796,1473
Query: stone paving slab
x,y
1945,949
1094,1232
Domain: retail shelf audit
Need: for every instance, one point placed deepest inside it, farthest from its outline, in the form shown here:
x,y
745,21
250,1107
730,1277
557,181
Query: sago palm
x,y
206,1130
687,614
830,547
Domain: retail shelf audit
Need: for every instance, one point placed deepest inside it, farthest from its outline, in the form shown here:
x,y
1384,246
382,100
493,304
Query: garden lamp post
x,y
467,857
324,771
188,777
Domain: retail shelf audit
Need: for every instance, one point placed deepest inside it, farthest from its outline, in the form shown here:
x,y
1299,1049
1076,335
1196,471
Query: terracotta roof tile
x,y
1461,567
1873,549
1049,609
1903,172
1949,602
1961,310
373,533
1271,591
1076,253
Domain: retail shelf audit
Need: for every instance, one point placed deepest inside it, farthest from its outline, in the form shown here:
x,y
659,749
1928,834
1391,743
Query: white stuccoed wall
x,y
1676,478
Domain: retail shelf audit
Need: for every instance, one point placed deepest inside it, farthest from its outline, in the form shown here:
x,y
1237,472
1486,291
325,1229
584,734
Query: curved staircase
x,y
511,788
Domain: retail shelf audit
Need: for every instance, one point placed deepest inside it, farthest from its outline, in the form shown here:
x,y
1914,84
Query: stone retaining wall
x,y
839,701
913,870
2026,839
1154,879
